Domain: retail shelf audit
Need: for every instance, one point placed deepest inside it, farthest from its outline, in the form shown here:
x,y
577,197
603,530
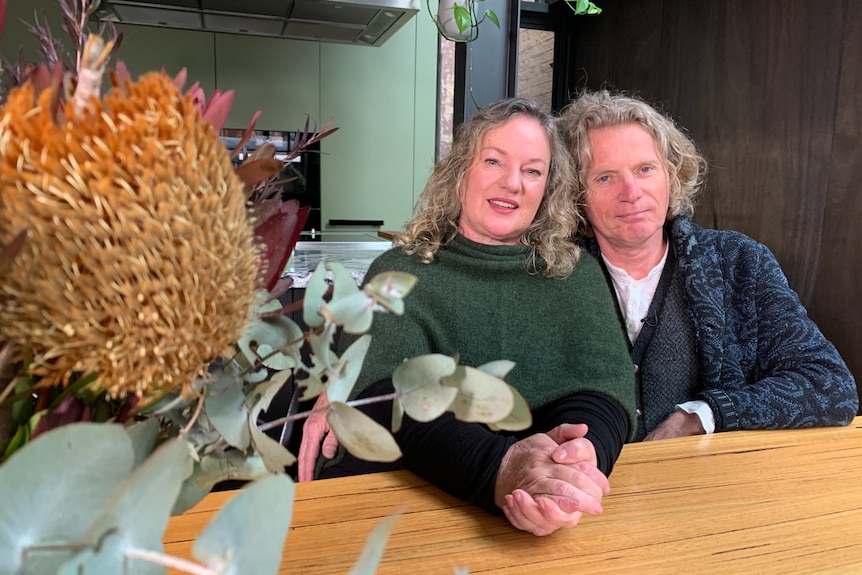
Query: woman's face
x,y
503,188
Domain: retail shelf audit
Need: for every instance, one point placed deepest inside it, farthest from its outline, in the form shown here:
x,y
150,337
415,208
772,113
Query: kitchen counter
x,y
354,256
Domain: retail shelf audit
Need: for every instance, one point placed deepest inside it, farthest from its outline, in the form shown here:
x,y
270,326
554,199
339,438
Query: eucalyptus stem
x,y
194,417
355,403
164,560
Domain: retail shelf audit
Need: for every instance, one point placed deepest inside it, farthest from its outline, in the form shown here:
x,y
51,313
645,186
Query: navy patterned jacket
x,y
764,364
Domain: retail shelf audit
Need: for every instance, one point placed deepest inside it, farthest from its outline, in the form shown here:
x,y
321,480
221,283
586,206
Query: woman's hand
x,y
317,438
548,481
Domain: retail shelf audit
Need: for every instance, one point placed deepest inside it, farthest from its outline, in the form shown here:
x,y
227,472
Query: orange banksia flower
x,y
138,263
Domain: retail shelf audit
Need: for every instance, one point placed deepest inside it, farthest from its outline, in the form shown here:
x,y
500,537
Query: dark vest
x,y
665,352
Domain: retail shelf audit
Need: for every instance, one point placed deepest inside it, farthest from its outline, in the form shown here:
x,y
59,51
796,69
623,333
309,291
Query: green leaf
x,y
354,312
265,336
52,491
136,515
313,298
499,368
312,386
143,435
226,409
481,397
519,419
343,284
345,373
372,552
274,455
215,468
462,16
248,534
390,288
418,380
321,348
492,16
360,435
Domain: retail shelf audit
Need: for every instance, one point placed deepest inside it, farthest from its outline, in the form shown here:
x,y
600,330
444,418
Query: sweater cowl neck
x,y
462,246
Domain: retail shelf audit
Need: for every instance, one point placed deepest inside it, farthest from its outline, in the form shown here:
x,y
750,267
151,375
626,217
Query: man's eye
x,y
647,169
603,179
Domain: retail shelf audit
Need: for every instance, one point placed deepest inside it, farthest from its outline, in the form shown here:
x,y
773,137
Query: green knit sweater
x,y
479,301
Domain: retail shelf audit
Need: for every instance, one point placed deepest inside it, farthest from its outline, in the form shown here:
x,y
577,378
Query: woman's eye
x,y
647,169
534,172
491,161
603,179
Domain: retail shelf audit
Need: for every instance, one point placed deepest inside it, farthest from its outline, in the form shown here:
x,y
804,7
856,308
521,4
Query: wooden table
x,y
755,502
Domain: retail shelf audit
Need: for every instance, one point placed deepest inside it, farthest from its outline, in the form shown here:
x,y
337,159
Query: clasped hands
x,y
545,481
549,480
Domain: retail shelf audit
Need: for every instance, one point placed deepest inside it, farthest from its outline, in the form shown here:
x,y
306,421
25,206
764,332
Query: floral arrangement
x,y
141,331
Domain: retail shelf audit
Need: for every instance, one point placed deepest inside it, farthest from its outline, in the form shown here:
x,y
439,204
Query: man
x,y
718,339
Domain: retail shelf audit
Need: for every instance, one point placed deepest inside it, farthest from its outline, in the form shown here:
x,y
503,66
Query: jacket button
x,y
637,369
639,413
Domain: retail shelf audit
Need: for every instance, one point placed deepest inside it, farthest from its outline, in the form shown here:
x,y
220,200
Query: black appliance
x,y
303,171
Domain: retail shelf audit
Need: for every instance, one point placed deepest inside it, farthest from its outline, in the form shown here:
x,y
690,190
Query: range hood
x,y
360,22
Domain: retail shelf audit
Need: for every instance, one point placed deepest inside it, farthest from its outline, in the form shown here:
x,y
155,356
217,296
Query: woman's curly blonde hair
x,y
685,166
438,209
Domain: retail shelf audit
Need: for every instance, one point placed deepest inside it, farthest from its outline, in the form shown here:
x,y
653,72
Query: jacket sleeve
x,y
777,369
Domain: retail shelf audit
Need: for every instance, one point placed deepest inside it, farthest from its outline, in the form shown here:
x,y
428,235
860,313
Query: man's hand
x,y
540,494
678,424
317,438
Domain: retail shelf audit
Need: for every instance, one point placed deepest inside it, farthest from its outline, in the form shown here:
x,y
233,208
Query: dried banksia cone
x,y
138,263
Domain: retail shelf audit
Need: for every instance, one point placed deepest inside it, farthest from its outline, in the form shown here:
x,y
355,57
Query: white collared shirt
x,y
635,297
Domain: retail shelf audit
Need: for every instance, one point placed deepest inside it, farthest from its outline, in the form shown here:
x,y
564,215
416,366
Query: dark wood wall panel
x,y
765,89
836,304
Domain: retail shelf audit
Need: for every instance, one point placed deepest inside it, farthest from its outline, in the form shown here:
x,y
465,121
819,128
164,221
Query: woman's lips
x,y
504,204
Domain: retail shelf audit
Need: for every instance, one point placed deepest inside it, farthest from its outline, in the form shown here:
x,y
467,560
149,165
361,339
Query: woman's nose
x,y
511,179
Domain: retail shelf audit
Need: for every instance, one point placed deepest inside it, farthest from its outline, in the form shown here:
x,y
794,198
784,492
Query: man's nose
x,y
630,189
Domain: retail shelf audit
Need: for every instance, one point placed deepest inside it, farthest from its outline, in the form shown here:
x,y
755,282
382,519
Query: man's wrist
x,y
705,417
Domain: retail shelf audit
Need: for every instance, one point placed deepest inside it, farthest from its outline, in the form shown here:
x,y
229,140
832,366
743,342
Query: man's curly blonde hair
x,y
686,168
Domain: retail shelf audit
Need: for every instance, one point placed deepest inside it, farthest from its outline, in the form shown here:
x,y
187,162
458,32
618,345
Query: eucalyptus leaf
x,y
226,409
481,397
345,373
418,380
343,284
144,435
274,455
247,536
136,516
360,435
354,313
499,368
390,289
52,490
312,386
520,417
213,469
313,298
397,416
264,336
372,552
322,355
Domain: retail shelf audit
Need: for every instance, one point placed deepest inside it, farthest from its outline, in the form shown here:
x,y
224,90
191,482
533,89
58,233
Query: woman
x,y
499,278
718,339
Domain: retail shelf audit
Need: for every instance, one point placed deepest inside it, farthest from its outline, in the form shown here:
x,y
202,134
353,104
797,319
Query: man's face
x,y
628,189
